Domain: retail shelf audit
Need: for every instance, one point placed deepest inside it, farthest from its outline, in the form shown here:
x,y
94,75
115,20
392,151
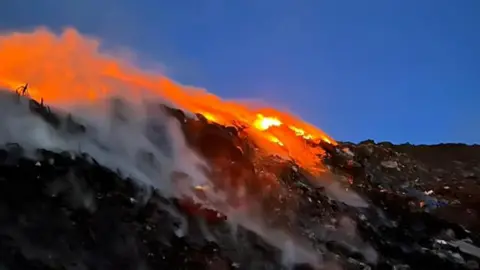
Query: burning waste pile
x,y
127,181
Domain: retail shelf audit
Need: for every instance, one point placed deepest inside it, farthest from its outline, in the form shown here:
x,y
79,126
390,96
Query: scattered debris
x,y
66,211
389,164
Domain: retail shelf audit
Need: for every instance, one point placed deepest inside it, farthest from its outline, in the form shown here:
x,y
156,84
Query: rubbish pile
x,y
382,206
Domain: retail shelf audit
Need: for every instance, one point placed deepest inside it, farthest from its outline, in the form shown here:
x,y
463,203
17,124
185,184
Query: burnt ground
x,y
66,211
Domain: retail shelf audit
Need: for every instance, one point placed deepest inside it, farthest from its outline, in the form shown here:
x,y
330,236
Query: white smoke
x,y
114,141
117,133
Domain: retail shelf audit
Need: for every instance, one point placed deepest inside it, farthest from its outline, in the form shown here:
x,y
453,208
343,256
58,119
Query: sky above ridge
x,y
401,71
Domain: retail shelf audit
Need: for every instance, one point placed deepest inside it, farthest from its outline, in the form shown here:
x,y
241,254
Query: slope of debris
x,y
417,208
430,196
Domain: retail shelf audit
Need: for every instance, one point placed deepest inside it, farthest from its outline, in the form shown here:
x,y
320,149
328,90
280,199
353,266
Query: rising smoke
x,y
118,135
125,132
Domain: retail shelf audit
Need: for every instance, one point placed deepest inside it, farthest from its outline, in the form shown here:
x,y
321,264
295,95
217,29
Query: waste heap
x,y
66,211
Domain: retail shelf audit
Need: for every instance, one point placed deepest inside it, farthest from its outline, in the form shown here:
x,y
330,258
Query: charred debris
x,y
65,211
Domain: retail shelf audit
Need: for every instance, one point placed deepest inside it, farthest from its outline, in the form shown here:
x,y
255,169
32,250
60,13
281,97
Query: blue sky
x,y
389,70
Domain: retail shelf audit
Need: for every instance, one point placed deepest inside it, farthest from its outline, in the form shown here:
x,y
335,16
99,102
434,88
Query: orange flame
x,y
264,123
69,68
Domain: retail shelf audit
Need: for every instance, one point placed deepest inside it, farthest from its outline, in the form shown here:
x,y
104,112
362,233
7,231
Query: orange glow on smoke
x,y
69,68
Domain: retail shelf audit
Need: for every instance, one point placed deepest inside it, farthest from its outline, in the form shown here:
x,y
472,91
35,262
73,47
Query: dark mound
x,y
66,211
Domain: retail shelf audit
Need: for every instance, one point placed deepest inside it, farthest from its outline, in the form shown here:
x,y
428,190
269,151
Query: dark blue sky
x,y
389,70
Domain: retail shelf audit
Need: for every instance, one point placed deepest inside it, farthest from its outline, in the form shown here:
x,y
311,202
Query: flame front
x,y
264,123
69,68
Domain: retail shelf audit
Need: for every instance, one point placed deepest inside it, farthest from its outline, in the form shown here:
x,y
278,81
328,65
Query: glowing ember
x,y
209,116
301,132
275,140
264,123
70,69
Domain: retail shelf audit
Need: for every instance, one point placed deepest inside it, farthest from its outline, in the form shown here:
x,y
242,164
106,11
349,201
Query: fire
x,y
264,123
209,117
275,140
70,68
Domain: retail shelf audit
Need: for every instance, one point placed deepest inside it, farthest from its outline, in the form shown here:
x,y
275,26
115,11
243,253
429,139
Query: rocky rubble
x,y
425,204
417,208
